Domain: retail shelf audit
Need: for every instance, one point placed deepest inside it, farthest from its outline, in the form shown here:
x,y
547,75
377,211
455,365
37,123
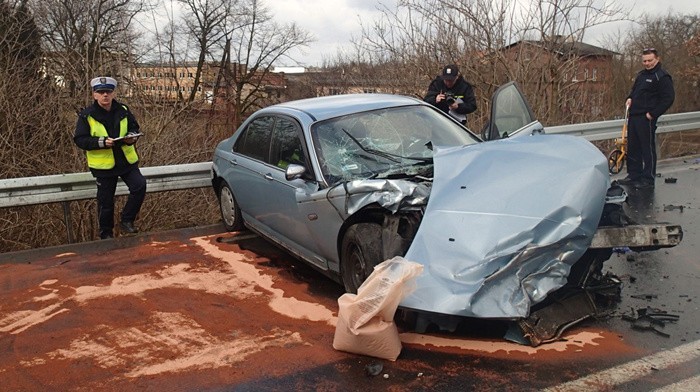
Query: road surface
x,y
201,309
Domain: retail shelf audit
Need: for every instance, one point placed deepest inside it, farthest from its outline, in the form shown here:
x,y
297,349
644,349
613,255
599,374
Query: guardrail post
x,y
67,218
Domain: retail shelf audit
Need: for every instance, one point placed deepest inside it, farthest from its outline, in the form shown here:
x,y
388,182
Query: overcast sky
x,y
334,22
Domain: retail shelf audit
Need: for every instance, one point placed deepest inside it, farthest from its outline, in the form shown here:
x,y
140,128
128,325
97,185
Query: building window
x,y
595,74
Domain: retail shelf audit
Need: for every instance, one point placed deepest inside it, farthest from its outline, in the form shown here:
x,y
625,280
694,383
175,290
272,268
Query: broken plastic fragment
x,y
671,207
644,296
649,319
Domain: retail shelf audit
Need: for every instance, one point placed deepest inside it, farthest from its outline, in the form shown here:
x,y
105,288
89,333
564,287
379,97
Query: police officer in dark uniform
x,y
651,96
452,94
107,131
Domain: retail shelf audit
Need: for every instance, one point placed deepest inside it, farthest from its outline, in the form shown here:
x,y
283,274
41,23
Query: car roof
x,y
322,108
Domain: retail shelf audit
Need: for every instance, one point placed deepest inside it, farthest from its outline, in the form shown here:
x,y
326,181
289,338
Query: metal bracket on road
x,y
638,237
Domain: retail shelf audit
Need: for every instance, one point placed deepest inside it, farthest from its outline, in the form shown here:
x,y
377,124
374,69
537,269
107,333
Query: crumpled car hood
x,y
504,223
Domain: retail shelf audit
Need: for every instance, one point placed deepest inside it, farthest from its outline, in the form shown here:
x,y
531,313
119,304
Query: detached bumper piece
x,y
638,237
565,308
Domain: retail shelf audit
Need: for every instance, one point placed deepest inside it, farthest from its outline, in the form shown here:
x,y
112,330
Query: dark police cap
x,y
450,72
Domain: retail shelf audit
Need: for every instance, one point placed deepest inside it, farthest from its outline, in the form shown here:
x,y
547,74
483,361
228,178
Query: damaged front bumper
x,y
529,249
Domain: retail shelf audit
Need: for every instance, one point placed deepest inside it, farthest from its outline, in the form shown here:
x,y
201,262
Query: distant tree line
x,y
412,42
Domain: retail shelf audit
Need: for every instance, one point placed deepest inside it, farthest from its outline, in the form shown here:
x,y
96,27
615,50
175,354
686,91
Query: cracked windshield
x,y
387,143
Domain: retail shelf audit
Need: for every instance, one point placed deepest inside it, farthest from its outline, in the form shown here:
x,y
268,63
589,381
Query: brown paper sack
x,y
366,319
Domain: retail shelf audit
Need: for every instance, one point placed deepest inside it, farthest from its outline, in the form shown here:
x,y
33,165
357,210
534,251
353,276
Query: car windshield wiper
x,y
421,160
390,156
372,151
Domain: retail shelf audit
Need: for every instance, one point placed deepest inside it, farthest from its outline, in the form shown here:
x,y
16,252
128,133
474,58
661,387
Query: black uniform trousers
x,y
641,148
107,186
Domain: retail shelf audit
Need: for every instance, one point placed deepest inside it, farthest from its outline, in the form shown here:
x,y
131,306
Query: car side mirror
x,y
294,171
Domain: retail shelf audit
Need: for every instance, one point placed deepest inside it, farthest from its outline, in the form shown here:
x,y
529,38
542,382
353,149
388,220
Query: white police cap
x,y
103,83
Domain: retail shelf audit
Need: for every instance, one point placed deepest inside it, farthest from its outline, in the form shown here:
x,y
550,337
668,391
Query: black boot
x,y
627,181
128,228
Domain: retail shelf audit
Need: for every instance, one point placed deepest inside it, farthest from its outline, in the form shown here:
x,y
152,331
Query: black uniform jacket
x,y
461,89
110,120
652,92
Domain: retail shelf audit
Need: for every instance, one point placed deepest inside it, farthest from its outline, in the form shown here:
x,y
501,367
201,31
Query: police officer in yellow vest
x,y
107,131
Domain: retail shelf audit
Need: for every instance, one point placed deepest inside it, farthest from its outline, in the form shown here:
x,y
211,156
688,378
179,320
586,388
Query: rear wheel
x,y
616,161
230,212
361,250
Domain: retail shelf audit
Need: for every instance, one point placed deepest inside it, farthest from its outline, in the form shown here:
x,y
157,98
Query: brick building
x,y
578,74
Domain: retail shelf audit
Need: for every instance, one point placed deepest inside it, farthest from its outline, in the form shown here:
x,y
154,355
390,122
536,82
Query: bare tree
x,y
692,71
206,23
87,37
33,140
254,43
20,84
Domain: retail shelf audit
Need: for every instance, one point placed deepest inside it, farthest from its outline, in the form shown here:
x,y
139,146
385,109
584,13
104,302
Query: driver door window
x,y
286,144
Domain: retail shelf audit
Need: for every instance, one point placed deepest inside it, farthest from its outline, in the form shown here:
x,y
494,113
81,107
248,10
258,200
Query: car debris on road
x,y
650,319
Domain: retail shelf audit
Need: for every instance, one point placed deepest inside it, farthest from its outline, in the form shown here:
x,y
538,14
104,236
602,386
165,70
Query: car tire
x,y
230,212
360,251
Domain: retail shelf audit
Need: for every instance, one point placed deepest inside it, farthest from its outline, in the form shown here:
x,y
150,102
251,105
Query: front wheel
x,y
230,212
360,251
616,161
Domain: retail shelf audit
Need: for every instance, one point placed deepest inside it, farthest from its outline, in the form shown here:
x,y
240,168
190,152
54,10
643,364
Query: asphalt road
x,y
200,309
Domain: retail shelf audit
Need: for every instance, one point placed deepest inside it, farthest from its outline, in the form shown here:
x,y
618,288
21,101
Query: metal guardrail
x,y
80,186
64,188
15,192
611,129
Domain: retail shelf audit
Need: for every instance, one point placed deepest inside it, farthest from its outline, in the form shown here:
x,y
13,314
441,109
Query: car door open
x,y
511,115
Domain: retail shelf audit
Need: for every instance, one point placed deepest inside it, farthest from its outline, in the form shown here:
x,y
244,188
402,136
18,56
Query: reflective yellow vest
x,y
103,158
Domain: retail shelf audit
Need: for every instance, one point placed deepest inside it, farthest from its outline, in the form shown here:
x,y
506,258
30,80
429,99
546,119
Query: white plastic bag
x,y
366,319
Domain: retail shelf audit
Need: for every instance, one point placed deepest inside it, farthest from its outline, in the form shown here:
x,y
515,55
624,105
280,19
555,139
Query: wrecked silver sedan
x,y
346,182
